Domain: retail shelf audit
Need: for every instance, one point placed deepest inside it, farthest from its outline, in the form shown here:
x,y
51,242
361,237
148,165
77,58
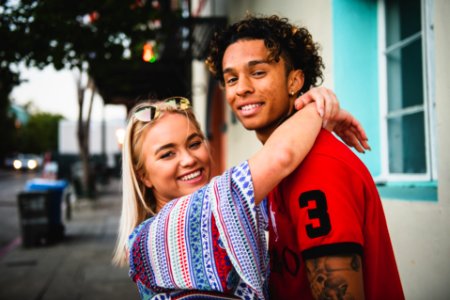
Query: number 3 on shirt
x,y
319,213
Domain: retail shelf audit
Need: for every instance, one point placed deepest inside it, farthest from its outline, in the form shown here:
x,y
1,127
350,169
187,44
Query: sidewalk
x,y
79,267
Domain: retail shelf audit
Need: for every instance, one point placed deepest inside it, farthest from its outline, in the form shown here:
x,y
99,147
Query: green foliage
x,y
40,134
71,33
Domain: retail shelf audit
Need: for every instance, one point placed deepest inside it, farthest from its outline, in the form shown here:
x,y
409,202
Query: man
x,y
328,236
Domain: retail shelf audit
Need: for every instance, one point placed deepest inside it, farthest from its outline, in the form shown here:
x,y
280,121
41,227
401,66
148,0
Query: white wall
x,y
68,143
200,73
420,236
442,38
199,91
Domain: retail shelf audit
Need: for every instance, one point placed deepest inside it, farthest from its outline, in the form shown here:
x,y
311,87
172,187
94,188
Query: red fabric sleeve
x,y
326,203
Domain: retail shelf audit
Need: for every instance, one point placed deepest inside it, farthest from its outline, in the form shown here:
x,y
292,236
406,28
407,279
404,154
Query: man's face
x,y
256,88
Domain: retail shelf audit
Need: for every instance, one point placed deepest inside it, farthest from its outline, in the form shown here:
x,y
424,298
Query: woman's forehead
x,y
170,128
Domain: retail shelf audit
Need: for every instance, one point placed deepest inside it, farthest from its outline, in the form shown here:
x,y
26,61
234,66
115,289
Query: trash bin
x,y
40,208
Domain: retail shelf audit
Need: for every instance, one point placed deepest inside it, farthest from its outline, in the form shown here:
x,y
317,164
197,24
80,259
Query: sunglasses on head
x,y
150,112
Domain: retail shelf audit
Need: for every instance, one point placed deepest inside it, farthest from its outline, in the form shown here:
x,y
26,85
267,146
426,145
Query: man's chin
x,y
253,124
247,123
250,126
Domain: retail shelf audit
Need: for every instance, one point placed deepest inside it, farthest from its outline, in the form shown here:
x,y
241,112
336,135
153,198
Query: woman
x,y
211,240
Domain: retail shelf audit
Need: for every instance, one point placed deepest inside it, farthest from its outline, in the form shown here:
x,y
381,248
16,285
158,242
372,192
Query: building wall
x,y
68,143
200,91
356,69
442,23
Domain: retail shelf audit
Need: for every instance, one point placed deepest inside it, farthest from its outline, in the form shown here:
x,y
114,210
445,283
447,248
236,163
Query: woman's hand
x,y
335,119
326,102
348,128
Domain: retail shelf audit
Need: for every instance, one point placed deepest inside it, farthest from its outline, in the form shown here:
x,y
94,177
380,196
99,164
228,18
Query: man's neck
x,y
263,134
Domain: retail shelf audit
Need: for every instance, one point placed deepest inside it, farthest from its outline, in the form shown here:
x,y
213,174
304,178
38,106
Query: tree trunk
x,y
83,130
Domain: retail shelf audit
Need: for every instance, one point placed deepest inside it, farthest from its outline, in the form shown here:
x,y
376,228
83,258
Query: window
x,y
407,104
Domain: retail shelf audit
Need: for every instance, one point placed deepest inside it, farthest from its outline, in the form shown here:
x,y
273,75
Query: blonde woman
x,y
210,240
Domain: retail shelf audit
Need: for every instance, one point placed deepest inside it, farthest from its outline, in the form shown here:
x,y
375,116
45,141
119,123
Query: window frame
x,y
428,107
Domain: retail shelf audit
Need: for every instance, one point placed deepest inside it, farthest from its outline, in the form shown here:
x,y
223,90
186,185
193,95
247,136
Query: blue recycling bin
x,y
40,207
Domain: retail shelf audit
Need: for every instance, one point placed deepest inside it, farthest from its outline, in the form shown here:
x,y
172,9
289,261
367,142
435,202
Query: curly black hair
x,y
281,38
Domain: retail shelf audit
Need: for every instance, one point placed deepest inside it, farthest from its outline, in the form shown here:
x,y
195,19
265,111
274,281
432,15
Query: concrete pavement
x,y
78,267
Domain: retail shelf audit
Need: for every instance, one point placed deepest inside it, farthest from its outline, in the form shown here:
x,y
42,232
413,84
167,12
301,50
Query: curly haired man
x,y
328,237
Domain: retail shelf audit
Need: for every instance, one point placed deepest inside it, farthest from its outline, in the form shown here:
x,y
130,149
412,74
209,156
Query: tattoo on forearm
x,y
328,278
355,264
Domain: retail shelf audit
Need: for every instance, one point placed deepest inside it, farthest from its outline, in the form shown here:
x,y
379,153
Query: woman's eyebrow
x,y
192,136
164,147
172,145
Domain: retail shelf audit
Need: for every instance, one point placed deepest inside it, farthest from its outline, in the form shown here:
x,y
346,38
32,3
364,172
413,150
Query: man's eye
x,y
231,80
259,73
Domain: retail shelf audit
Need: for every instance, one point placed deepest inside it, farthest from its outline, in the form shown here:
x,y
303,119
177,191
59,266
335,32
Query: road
x,y
11,183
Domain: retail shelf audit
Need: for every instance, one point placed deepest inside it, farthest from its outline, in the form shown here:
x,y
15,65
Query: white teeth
x,y
249,106
191,176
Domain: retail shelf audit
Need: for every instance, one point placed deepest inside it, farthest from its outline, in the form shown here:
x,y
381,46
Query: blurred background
x,y
71,70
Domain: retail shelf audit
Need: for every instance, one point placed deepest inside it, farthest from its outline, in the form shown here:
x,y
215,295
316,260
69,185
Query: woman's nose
x,y
187,159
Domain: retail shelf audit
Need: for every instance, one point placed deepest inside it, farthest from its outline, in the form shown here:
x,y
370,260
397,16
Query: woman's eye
x,y
167,155
195,145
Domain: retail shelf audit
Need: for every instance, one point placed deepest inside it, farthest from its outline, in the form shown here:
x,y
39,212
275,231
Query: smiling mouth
x,y
249,107
191,176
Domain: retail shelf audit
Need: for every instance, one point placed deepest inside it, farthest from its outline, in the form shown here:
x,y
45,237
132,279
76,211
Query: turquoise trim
x,y
355,65
409,193
433,184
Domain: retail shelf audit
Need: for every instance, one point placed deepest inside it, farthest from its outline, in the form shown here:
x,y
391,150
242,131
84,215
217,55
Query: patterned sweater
x,y
207,245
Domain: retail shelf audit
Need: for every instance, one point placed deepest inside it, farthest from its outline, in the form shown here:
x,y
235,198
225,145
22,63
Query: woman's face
x,y
176,158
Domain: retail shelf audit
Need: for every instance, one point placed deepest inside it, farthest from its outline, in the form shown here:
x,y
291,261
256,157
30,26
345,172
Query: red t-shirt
x,y
329,206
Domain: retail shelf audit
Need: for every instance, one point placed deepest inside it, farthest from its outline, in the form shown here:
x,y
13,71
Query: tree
x,y
7,80
81,35
40,134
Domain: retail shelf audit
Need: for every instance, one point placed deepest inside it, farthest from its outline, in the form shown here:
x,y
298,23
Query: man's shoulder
x,y
330,156
329,144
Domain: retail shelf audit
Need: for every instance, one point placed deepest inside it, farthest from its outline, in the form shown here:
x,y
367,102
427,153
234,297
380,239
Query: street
x,y
11,183
77,267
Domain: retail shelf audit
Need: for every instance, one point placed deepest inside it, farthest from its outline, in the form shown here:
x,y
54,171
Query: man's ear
x,y
296,79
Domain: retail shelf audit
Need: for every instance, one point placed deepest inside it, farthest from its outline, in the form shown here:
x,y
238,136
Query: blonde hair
x,y
138,201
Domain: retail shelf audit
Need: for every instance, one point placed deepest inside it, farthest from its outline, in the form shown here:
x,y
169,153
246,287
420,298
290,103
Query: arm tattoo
x,y
327,276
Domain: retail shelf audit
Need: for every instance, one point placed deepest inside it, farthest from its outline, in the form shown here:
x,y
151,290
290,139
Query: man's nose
x,y
244,86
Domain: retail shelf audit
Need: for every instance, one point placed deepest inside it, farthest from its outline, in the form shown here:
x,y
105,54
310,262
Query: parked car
x,y
24,162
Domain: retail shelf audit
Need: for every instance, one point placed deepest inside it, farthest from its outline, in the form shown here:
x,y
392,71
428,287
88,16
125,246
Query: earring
x,y
291,93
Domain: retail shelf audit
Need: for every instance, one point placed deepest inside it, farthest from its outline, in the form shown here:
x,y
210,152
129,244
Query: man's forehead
x,y
248,52
244,42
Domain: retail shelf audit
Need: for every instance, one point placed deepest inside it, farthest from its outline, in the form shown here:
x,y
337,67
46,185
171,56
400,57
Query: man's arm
x,y
328,210
336,277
